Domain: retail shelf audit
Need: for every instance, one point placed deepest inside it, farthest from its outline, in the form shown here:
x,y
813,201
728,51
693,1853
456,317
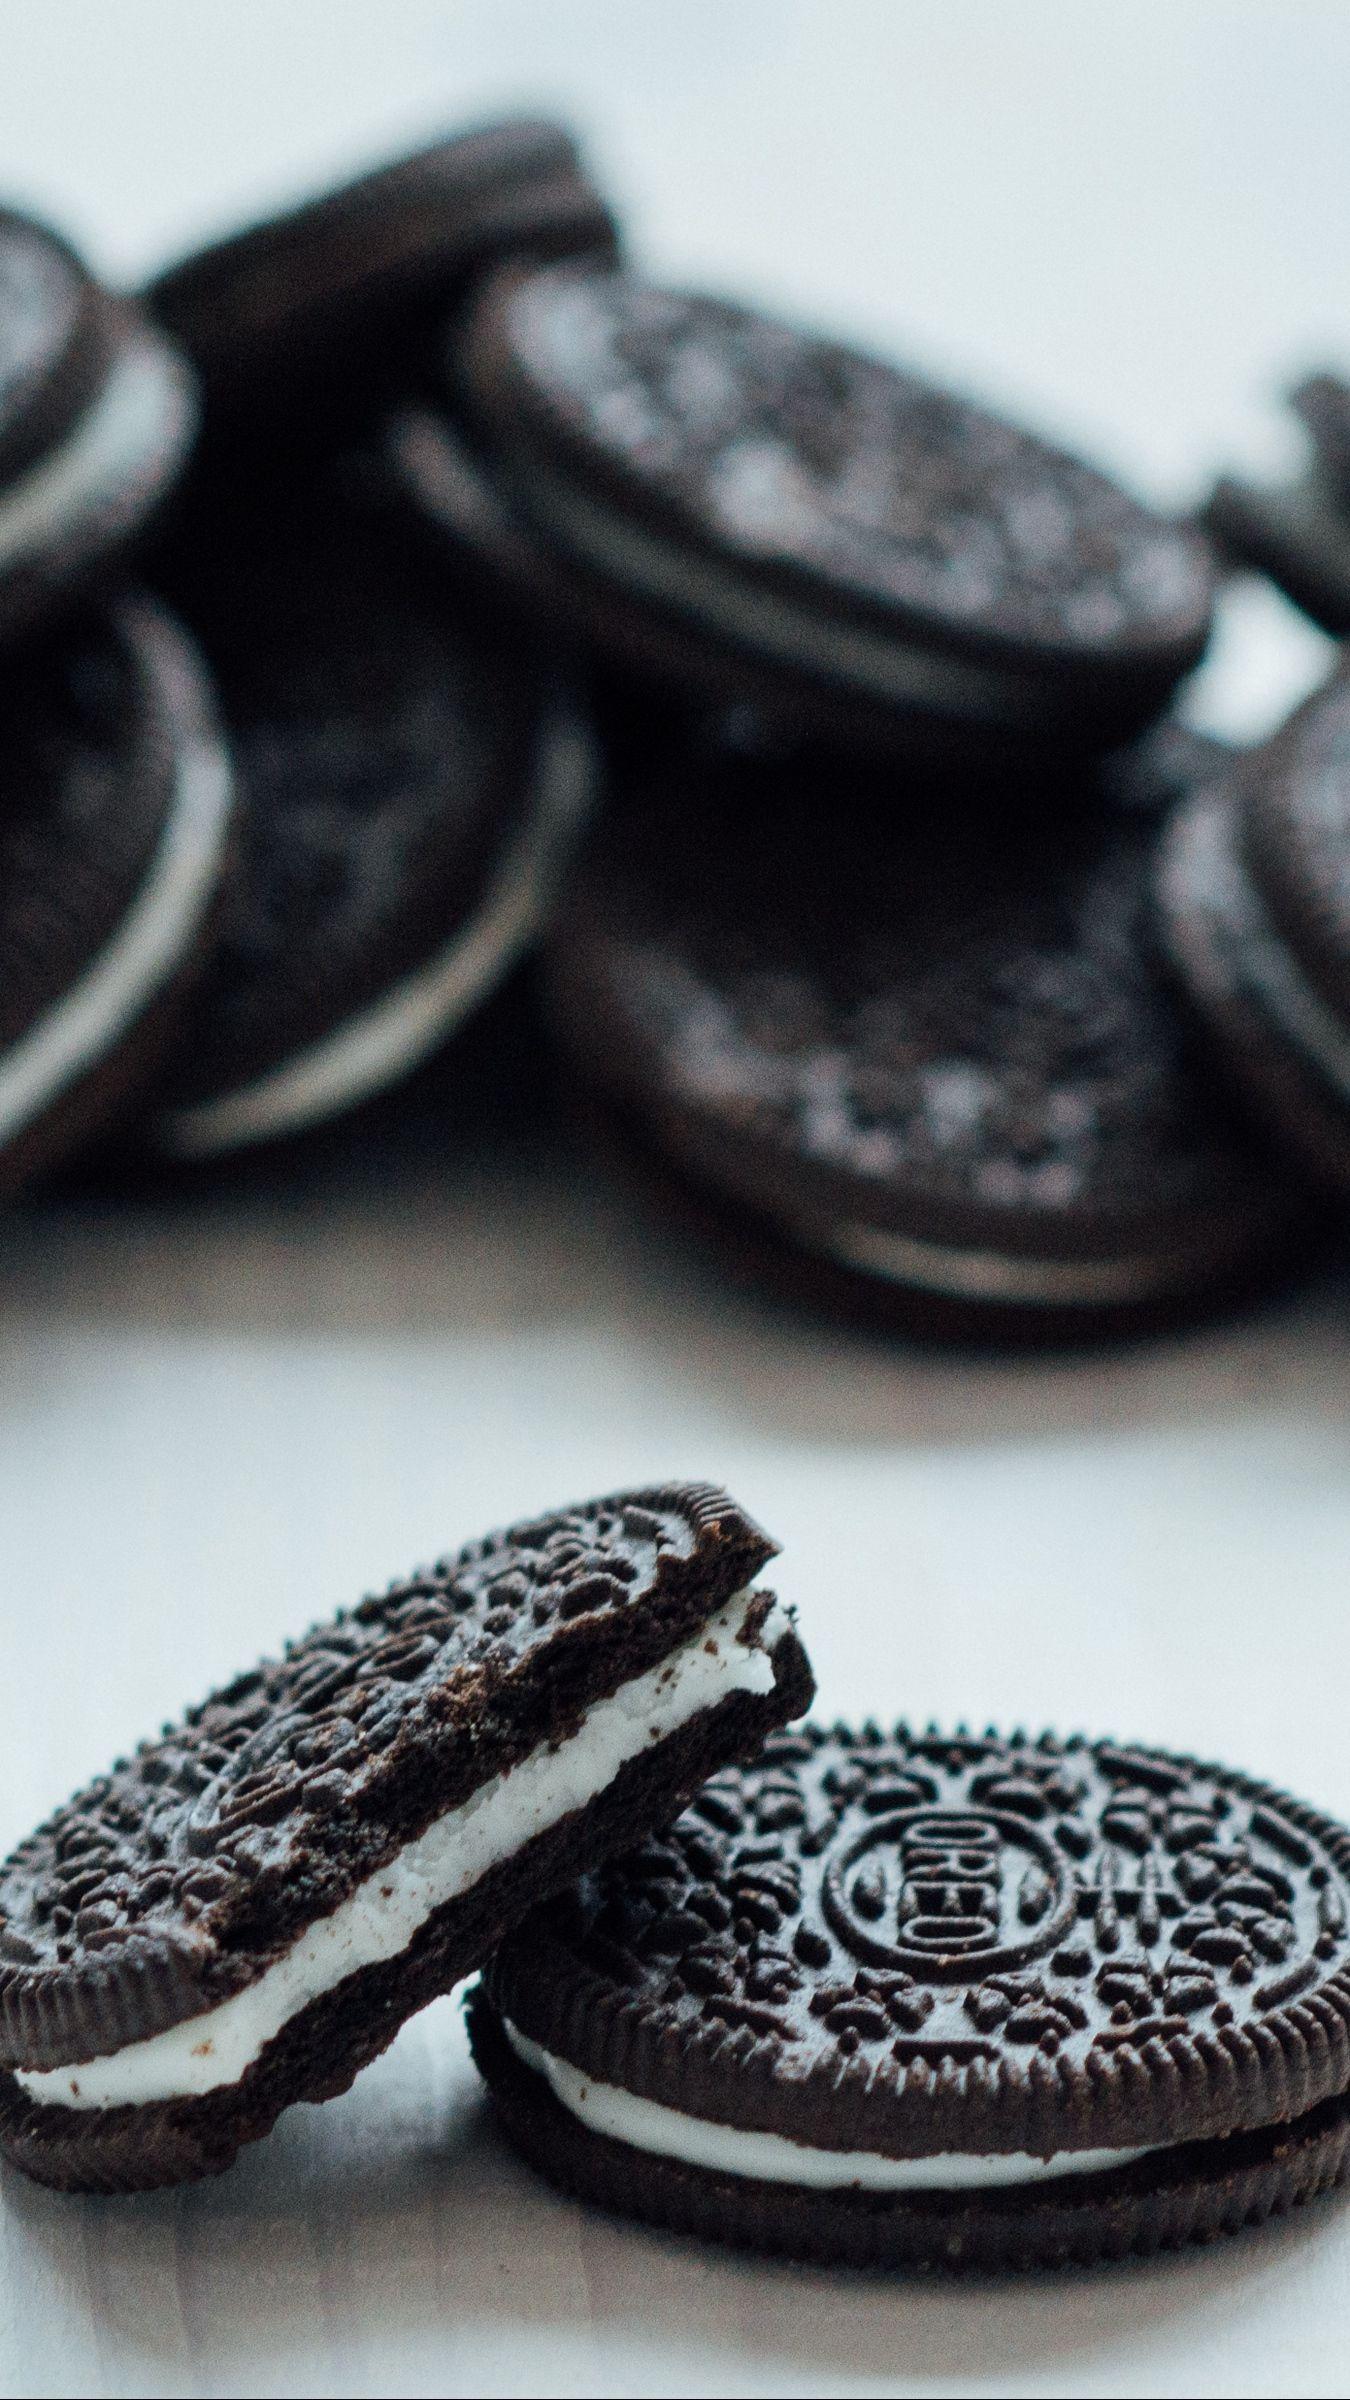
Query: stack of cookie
x,y
822,724
883,1998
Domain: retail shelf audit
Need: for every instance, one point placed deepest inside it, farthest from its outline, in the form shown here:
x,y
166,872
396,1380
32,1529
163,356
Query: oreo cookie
x,y
1254,887
916,1052
1298,532
411,779
246,1910
1322,404
320,307
740,508
96,414
114,835
936,2000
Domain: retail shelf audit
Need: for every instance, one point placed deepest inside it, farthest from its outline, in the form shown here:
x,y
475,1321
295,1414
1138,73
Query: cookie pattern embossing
x,y
952,1899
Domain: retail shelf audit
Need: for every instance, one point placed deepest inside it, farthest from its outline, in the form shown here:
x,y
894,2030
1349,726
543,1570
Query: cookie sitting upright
x,y
411,779
1298,532
1254,888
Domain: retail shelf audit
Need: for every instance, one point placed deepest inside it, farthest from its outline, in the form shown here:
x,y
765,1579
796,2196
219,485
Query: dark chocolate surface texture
x,y
173,1880
923,1942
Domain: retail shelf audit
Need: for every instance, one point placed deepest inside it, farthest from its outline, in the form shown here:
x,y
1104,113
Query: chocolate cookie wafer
x,y
243,1912
942,2000
1254,885
412,781
730,504
914,1050
296,321
1298,532
114,839
97,410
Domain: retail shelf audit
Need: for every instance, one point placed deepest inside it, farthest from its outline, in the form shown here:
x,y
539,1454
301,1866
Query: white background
x,y
227,1408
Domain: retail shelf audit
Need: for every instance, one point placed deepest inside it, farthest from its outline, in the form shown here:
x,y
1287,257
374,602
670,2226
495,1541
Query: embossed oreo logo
x,y
947,1894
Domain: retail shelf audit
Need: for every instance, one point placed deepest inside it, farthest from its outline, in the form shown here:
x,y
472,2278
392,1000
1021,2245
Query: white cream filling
x,y
883,664
153,936
987,1275
383,1915
773,2158
388,1039
141,412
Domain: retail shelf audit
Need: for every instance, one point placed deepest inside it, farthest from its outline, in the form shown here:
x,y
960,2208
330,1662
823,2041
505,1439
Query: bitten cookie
x,y
96,413
732,505
915,1052
411,781
316,309
114,832
1254,888
931,2000
244,1912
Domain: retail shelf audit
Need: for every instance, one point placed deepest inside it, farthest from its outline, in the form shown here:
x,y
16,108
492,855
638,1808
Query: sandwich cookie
x,y
245,1911
96,413
113,841
1254,890
411,784
924,2000
1298,532
331,301
915,1055
738,507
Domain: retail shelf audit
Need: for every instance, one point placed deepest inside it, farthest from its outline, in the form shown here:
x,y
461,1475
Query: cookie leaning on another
x,y
245,1911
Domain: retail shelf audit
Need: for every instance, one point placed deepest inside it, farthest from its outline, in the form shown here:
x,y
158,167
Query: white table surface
x,y
225,1408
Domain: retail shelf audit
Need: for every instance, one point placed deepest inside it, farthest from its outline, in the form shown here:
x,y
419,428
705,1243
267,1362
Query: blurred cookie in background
x,y
97,411
334,300
411,781
912,1048
1298,531
1254,887
726,504
113,839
